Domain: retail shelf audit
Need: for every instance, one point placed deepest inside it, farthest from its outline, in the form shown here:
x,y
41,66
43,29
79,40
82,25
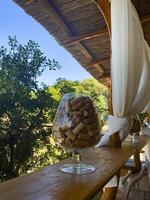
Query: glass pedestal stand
x,y
133,137
77,167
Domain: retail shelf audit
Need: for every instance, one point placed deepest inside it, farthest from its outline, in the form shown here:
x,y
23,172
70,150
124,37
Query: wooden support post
x,y
137,161
145,19
105,10
110,193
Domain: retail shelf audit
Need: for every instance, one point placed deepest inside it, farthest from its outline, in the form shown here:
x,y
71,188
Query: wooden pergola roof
x,y
79,26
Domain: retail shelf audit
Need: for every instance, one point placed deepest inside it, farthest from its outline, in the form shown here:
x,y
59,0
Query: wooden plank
x,y
85,36
99,61
145,18
105,9
51,184
137,160
89,57
84,51
137,146
135,165
81,47
103,76
110,193
115,140
27,2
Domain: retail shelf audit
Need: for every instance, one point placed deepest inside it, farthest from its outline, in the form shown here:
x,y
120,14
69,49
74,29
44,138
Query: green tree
x,y
64,86
27,111
89,87
23,106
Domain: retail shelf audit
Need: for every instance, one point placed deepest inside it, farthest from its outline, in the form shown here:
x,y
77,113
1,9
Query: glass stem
x,y
76,158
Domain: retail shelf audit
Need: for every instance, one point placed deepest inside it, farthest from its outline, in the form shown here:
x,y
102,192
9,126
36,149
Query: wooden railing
x,y
51,184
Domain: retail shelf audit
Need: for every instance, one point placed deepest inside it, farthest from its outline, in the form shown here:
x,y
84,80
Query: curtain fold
x,y
130,68
127,56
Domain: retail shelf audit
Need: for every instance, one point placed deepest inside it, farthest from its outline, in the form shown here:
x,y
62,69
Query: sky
x,y
14,21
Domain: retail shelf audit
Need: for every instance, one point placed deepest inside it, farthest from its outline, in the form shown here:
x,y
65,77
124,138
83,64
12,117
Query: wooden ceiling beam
x,y
85,36
27,2
145,18
99,61
104,76
114,141
52,11
104,6
100,76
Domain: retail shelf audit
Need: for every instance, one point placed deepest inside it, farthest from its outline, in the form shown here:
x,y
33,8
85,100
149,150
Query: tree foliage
x,y
89,87
23,106
27,110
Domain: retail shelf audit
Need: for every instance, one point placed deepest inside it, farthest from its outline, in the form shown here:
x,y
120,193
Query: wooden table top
x,y
51,184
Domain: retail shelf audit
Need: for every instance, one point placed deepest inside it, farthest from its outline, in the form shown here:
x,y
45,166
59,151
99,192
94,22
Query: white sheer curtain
x,y
130,69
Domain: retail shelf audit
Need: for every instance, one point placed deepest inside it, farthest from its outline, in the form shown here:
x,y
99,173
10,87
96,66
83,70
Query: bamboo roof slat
x,y
51,10
99,61
99,47
86,36
83,29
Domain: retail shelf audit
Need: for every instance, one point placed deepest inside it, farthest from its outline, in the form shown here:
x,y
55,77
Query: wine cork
x,y
74,113
90,120
68,106
83,136
76,100
59,134
78,128
68,142
85,113
87,100
76,120
70,135
89,112
93,132
55,128
63,128
93,141
60,141
85,107
82,143
77,106
84,128
92,126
